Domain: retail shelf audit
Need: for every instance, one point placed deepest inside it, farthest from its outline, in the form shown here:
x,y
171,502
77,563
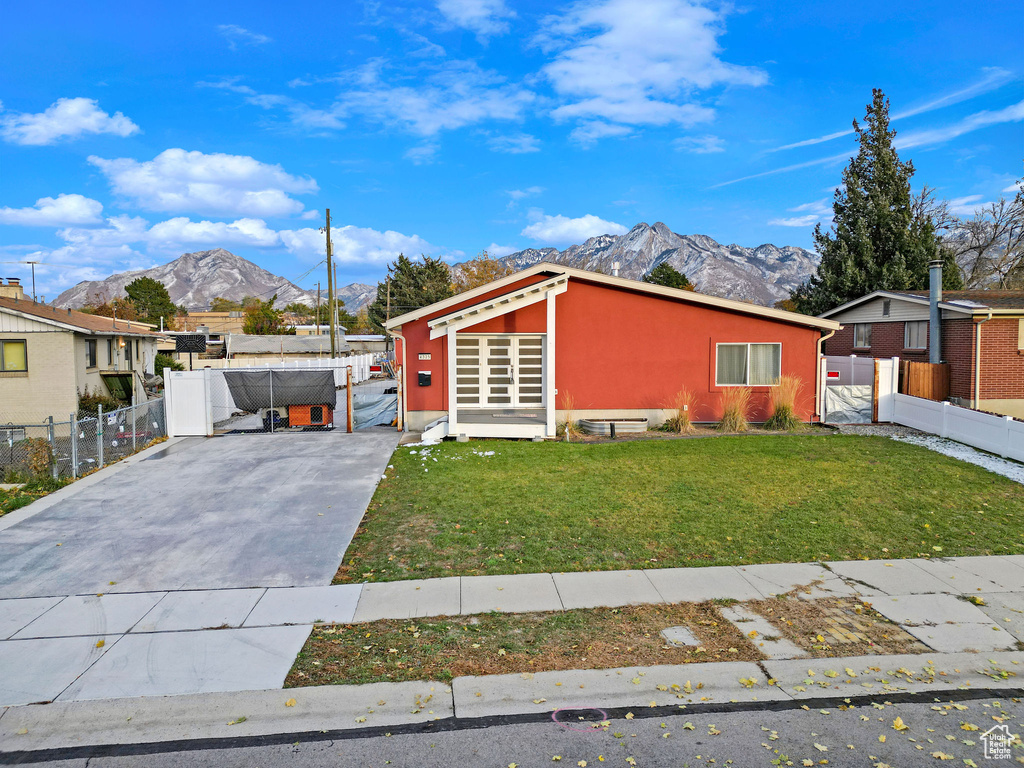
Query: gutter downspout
x,y
404,388
977,361
817,373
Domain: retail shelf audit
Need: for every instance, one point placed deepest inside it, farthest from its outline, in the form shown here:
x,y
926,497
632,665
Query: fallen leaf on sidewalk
x,y
290,703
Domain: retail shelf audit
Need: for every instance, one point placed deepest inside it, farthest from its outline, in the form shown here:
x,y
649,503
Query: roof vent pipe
x,y
616,265
934,317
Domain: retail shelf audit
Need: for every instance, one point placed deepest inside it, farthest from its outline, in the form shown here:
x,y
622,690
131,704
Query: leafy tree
x,y
876,241
123,309
221,304
413,285
152,301
163,360
261,319
670,277
480,271
299,309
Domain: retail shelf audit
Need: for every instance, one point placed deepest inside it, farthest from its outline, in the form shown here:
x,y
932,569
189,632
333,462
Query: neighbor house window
x,y
90,353
110,352
862,335
915,335
13,356
754,365
885,307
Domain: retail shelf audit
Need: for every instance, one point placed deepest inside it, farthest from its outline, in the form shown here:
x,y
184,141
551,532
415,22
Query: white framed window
x,y
862,335
90,353
747,365
915,335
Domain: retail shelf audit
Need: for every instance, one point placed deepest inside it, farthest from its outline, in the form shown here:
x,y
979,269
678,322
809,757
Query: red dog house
x,y
505,359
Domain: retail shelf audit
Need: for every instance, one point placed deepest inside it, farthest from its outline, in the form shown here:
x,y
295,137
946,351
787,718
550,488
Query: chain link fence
x,y
302,397
83,442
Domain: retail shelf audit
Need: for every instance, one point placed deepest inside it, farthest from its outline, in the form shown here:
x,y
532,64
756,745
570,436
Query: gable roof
x,y
72,320
691,297
966,302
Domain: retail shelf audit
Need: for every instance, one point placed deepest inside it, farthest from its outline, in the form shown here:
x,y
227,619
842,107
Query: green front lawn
x,y
536,507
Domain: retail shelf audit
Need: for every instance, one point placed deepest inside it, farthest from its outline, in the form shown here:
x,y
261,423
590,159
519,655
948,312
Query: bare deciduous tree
x,y
989,247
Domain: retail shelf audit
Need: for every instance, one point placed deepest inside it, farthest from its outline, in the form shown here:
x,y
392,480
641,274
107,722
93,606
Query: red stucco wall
x,y
617,348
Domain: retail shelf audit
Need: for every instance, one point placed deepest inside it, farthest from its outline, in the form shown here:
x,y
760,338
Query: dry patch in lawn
x,y
833,627
492,644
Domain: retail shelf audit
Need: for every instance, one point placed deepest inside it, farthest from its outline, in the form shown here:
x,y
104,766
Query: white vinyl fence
x,y
996,434
199,399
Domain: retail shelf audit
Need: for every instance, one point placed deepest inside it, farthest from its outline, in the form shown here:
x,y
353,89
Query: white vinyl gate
x,y
858,390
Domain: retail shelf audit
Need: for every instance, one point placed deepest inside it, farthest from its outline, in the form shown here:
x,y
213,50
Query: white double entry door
x,y
499,371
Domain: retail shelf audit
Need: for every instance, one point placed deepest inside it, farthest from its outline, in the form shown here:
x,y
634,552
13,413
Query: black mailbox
x,y
424,378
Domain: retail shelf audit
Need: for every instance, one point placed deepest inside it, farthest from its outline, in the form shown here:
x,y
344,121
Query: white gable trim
x,y
498,306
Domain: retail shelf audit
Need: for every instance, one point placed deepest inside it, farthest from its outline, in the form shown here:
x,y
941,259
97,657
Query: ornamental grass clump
x,y
735,405
783,401
682,403
569,428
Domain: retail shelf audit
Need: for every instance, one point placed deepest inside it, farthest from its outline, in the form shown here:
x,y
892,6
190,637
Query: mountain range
x,y
761,275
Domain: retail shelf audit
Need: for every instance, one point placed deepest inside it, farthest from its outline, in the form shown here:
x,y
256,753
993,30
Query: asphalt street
x,y
938,730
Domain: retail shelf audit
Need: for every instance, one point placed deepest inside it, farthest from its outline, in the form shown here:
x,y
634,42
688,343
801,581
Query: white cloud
x,y
967,205
699,145
424,154
588,134
639,63
563,230
522,194
251,232
993,78
484,17
517,144
1013,188
356,245
457,94
236,34
814,212
53,212
1011,114
212,184
65,118
496,251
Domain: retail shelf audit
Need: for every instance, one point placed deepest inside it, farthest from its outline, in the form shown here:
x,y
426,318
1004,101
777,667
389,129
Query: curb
x,y
203,721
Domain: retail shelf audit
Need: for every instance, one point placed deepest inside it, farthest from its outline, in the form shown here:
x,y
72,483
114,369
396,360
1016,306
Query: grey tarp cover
x,y
849,404
373,410
253,390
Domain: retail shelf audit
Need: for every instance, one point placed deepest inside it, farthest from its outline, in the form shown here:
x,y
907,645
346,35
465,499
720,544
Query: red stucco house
x,y
505,359
981,338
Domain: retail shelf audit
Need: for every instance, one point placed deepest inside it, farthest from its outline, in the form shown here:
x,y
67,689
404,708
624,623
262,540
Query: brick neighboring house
x,y
49,355
982,339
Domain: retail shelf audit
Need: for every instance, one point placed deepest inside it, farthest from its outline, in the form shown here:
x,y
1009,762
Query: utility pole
x,y
330,284
387,316
317,307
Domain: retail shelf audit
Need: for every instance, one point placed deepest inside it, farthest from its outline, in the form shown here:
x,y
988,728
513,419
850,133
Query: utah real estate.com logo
x,y
997,741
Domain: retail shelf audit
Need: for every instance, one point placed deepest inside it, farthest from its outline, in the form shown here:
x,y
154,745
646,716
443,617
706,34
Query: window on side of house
x,y
90,353
915,335
128,354
862,335
886,304
110,352
13,356
753,365
138,348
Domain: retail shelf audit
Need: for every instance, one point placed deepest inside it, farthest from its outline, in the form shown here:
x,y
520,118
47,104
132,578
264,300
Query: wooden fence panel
x,y
927,380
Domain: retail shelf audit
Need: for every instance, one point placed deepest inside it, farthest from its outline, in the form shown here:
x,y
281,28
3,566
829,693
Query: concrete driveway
x,y
205,513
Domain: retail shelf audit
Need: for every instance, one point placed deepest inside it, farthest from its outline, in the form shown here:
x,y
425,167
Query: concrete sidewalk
x,y
185,642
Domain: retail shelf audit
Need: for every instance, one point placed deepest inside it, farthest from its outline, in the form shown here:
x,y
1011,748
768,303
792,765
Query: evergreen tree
x,y
152,302
667,275
413,285
876,241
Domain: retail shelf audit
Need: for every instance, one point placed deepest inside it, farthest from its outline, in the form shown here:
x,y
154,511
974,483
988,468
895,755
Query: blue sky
x,y
132,133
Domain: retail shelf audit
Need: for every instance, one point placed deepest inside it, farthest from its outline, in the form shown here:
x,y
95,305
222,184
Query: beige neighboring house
x,y
49,355
263,349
